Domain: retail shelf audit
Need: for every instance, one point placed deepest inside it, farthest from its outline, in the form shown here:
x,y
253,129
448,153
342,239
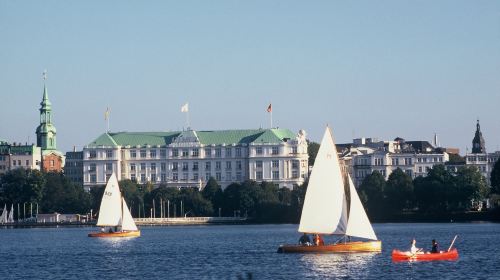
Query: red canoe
x,y
407,256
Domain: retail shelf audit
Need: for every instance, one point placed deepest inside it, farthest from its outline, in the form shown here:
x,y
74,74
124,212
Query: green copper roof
x,y
220,137
134,139
45,100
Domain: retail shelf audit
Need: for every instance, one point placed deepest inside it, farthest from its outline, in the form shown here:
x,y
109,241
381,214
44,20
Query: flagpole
x,y
271,118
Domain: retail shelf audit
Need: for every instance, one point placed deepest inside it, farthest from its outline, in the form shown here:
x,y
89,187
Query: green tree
x,y
23,185
134,196
372,193
432,193
399,191
471,186
495,177
63,196
195,204
213,193
312,151
96,193
456,159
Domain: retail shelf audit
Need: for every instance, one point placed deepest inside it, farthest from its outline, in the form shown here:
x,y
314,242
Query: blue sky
x,y
368,68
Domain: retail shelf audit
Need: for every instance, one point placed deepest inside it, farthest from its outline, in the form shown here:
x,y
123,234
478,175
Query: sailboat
x,y
3,217
326,210
114,215
10,218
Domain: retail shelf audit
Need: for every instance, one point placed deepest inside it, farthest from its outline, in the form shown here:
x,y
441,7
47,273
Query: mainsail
x,y
110,212
3,217
127,221
325,209
10,219
358,224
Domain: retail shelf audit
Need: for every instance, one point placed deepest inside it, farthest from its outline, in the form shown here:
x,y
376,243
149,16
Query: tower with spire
x,y
46,134
478,145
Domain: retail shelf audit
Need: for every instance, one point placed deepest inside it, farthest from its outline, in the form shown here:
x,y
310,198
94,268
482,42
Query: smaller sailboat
x,y
114,215
326,208
3,217
10,218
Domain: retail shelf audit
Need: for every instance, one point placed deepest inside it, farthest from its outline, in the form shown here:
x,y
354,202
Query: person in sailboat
x,y
305,240
318,240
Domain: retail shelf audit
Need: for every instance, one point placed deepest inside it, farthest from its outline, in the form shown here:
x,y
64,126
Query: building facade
x,y
189,158
52,159
14,156
73,166
479,157
366,155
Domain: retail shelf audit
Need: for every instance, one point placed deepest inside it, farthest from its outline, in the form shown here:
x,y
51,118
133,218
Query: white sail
x,y
3,217
10,219
127,222
358,225
110,212
324,208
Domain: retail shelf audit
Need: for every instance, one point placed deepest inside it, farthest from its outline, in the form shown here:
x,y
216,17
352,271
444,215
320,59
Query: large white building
x,y
366,155
189,158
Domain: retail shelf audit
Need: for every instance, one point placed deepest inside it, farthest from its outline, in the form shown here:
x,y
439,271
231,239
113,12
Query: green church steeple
x,y
46,131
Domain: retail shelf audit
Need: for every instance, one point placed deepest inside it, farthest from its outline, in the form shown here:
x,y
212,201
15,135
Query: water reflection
x,y
338,264
115,242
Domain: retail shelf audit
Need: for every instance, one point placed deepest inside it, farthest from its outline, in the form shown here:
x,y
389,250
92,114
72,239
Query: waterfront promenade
x,y
190,220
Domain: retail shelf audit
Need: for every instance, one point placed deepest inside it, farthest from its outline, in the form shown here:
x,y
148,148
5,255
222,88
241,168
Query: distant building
x,y
366,155
52,159
13,156
73,166
189,158
479,157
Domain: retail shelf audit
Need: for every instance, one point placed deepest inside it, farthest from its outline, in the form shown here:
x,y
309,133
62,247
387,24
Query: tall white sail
x,y
3,217
128,222
358,225
110,212
324,208
10,219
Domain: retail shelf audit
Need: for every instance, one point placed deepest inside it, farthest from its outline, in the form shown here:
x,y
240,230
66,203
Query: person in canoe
x,y
435,247
414,250
305,240
318,240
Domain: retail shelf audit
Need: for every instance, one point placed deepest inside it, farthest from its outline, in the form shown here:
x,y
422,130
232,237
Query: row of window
x,y
398,160
18,162
176,177
195,152
184,166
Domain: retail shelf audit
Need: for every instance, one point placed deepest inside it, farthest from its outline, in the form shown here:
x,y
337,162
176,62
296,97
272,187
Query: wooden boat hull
x,y
407,256
116,234
348,247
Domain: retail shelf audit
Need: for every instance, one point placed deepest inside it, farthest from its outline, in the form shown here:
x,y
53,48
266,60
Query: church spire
x,y
478,144
46,132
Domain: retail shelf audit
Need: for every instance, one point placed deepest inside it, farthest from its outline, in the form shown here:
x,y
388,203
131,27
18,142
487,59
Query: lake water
x,y
235,251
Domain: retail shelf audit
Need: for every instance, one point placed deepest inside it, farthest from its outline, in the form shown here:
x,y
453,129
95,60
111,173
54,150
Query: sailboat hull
x,y
348,247
136,233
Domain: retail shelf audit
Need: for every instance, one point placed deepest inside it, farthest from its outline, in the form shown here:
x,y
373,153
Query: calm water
x,y
230,252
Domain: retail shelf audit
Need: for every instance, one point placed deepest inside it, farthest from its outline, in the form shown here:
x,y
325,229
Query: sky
x,y
378,69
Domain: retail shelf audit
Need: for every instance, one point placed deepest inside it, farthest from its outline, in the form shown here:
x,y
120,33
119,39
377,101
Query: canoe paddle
x,y
452,242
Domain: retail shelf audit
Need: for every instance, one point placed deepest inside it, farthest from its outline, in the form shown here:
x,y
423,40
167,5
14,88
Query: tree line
x,y
53,192
441,191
